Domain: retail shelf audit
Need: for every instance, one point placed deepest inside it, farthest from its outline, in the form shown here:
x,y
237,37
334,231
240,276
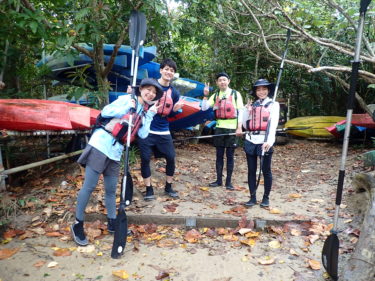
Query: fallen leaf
x,y
293,252
252,234
313,238
54,234
248,242
266,260
38,230
295,232
86,249
314,264
192,236
63,252
243,231
274,244
52,264
294,195
121,274
7,253
275,211
203,188
162,275
230,237
39,264
9,234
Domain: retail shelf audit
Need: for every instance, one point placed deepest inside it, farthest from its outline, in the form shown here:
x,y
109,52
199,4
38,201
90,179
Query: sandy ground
x,y
305,179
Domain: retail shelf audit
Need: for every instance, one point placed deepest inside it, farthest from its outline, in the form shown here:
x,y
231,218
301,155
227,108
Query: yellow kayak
x,y
315,126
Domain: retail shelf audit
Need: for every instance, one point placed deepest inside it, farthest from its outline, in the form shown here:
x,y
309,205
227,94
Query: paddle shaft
x,y
243,133
350,106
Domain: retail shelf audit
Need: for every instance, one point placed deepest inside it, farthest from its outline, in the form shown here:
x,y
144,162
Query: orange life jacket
x,y
224,107
118,127
166,103
259,117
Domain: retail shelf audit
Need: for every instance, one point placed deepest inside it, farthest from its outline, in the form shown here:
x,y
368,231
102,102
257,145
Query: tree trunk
x,y
361,265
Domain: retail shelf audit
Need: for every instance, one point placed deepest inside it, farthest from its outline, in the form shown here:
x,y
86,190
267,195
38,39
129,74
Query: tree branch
x,y
114,53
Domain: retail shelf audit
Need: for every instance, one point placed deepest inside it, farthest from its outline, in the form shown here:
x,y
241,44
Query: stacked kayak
x,y
312,126
34,114
361,124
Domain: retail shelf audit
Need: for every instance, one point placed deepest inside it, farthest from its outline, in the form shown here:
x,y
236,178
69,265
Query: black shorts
x,y
225,141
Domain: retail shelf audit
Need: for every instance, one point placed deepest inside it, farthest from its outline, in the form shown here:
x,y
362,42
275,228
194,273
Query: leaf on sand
x,y
86,249
243,231
314,264
277,229
171,207
267,260
275,211
9,234
121,274
274,244
204,188
313,238
162,275
294,195
63,252
295,232
230,237
39,264
52,264
54,234
252,234
7,253
248,242
293,252
192,236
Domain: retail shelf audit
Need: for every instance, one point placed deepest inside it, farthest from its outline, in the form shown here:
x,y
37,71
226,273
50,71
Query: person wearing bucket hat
x,y
102,154
260,119
159,142
227,104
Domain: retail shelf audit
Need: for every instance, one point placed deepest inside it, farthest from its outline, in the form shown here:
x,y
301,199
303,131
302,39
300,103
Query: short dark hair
x,y
168,62
220,74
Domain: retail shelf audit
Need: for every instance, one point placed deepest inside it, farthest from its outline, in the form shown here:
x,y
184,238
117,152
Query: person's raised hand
x,y
206,90
178,106
154,108
129,90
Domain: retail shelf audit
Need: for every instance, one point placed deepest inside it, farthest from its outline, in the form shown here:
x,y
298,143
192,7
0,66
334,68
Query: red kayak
x,y
34,114
363,120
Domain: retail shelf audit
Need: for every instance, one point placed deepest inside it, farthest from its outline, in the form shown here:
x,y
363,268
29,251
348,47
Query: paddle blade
x,y
121,233
137,29
330,255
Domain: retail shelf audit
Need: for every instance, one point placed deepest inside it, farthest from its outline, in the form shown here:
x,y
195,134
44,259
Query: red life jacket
x,y
120,128
225,108
166,103
259,116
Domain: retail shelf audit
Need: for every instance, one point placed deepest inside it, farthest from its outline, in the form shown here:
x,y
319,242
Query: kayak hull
x,y
34,114
315,126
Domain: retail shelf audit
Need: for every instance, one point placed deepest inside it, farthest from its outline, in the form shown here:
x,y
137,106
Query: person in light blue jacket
x,y
102,154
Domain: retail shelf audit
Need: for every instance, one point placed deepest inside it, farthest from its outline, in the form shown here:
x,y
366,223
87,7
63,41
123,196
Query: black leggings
x,y
266,171
220,162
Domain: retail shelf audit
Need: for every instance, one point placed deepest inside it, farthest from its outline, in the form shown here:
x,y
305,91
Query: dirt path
x,y
302,205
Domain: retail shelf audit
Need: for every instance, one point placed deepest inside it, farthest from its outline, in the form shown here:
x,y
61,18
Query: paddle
x,y
288,33
330,252
243,133
137,33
